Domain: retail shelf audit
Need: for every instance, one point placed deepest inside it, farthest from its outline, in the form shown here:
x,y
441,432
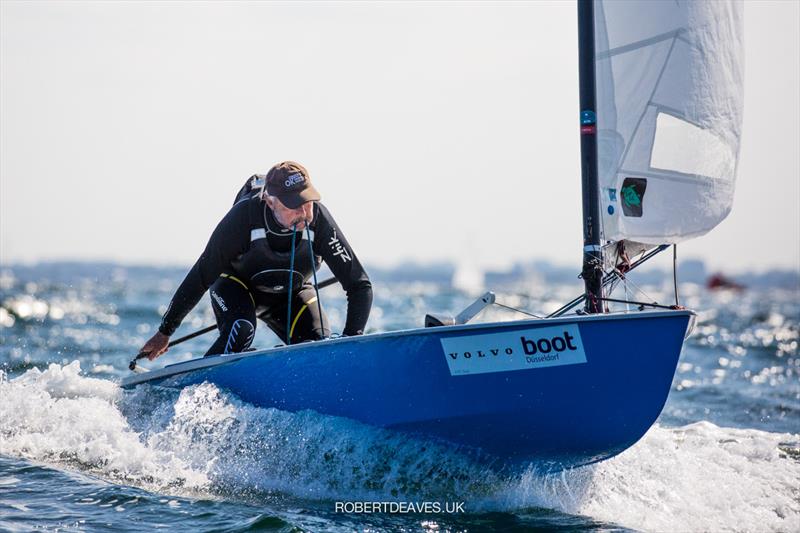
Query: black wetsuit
x,y
246,265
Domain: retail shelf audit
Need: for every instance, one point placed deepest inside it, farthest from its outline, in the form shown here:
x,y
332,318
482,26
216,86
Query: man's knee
x,y
240,336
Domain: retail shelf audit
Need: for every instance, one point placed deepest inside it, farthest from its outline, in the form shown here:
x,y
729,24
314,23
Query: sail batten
x,y
669,112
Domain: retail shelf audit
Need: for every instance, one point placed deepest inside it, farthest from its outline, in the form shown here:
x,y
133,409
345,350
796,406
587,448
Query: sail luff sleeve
x,y
229,239
331,244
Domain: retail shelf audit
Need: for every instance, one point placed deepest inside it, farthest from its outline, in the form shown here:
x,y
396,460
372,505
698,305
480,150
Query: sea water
x,y
77,453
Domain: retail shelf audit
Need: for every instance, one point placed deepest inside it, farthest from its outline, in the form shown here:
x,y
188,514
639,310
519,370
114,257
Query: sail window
x,y
681,146
632,196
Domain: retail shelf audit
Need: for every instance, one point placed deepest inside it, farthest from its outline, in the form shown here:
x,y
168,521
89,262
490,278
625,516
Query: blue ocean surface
x,y
77,453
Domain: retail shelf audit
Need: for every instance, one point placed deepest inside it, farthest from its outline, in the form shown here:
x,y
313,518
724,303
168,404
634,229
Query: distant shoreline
x,y
537,272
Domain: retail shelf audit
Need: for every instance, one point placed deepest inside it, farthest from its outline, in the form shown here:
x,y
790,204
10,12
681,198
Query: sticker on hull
x,y
526,349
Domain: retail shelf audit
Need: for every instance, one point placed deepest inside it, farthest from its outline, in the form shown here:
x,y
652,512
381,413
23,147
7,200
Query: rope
x,y
517,310
316,289
640,304
291,278
627,294
635,286
608,278
620,276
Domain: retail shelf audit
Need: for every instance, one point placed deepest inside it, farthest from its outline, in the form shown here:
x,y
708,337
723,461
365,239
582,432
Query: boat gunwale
x,y
200,363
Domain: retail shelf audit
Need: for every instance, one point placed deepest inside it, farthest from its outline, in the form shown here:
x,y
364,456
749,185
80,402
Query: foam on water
x,y
203,441
58,416
695,478
698,477
248,450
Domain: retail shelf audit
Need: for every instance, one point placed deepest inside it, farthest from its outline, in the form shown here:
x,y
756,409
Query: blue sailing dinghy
x,y
572,390
660,124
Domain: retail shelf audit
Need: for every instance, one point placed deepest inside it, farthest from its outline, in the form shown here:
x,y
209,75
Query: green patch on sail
x,y
632,194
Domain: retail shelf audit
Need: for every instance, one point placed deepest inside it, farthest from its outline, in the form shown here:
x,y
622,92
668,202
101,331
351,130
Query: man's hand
x,y
156,346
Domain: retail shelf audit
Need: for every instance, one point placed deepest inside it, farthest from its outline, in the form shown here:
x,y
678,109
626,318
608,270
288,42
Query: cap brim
x,y
296,199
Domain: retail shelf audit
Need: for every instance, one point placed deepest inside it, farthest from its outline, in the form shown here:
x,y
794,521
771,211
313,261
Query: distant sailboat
x,y
467,278
660,122
720,282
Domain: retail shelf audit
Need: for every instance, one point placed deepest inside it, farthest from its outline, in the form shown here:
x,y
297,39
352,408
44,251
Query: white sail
x,y
669,114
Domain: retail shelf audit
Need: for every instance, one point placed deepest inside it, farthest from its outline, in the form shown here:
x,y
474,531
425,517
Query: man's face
x,y
288,217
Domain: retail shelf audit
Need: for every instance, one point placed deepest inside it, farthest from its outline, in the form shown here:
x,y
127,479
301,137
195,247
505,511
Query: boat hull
x,y
573,390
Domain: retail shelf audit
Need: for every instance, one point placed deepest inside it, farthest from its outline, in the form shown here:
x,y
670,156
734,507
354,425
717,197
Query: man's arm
x,y
229,239
330,243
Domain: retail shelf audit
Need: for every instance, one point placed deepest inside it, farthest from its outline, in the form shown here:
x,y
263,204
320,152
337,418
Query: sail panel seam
x,y
639,44
694,179
629,141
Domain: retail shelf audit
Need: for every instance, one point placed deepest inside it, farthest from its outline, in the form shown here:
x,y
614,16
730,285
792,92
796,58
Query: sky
x,y
434,131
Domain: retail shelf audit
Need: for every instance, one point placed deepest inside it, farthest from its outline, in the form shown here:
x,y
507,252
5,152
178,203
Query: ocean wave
x,y
203,441
699,477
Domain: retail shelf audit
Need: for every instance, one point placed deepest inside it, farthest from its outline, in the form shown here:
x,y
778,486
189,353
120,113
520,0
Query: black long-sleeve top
x,y
232,238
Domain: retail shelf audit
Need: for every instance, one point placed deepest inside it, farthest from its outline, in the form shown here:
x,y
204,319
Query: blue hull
x,y
571,390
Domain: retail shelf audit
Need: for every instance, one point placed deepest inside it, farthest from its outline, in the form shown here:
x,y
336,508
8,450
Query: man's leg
x,y
307,323
236,316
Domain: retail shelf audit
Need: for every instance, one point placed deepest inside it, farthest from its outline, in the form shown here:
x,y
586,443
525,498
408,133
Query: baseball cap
x,y
289,182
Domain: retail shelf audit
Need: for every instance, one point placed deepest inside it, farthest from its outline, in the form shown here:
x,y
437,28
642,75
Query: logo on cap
x,y
294,179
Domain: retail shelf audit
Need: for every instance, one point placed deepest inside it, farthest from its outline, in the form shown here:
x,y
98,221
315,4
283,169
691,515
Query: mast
x,y
592,271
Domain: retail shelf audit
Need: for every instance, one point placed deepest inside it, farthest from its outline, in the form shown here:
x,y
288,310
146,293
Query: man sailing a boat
x,y
265,249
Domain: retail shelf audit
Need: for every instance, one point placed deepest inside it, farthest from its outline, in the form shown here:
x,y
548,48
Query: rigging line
x,y
602,222
619,276
624,281
675,271
316,289
517,310
641,304
627,295
614,282
608,278
635,286
612,285
291,278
